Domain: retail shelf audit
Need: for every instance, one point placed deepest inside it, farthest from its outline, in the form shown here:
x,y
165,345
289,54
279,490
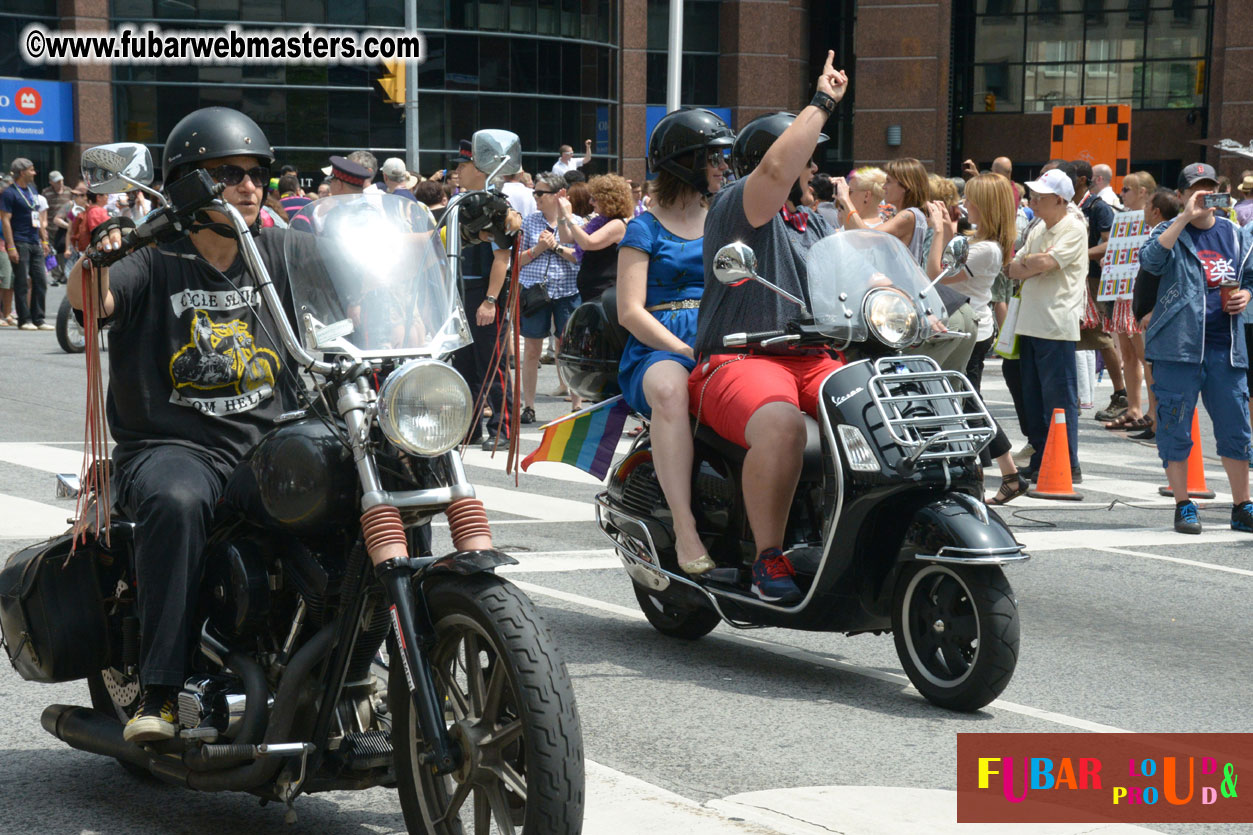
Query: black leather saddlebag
x,y
52,613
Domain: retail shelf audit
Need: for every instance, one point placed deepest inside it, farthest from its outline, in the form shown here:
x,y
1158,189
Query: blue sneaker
x,y
772,578
1242,517
1186,520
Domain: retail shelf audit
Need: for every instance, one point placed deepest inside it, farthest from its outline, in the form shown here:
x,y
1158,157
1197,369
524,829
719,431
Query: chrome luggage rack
x,y
943,417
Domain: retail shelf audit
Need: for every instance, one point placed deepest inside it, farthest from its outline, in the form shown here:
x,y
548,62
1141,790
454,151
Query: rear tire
x,y
956,632
119,699
509,704
70,334
674,621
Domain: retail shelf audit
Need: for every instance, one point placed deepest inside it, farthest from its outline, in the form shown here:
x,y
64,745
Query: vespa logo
x,y
28,101
837,401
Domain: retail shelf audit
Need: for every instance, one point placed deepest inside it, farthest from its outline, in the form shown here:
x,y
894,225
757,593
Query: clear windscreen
x,y
845,266
369,278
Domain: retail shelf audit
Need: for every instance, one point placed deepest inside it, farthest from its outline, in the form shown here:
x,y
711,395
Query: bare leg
x,y
6,302
665,389
531,349
576,402
772,469
1132,374
1238,474
1113,364
1177,477
1006,465
1000,310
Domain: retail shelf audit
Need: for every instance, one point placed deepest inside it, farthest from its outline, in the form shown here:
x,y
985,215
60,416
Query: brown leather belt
x,y
686,304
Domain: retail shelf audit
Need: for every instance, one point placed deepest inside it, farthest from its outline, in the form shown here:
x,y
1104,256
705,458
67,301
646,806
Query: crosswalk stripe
x,y
26,519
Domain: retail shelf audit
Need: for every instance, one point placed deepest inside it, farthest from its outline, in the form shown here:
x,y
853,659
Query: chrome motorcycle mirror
x,y
954,259
119,167
496,153
736,263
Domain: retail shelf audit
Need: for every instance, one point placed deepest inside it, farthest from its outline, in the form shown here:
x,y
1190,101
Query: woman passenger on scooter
x,y
660,281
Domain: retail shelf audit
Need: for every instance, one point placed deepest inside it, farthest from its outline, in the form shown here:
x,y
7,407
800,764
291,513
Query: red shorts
x,y
726,390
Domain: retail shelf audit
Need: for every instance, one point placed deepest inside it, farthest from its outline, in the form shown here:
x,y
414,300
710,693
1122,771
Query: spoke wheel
x,y
70,334
956,632
508,705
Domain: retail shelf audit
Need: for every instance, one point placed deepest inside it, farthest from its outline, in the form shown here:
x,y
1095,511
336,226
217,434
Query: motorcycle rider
x,y
195,379
756,397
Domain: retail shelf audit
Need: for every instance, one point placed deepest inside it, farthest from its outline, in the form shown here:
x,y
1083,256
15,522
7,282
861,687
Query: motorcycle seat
x,y
811,462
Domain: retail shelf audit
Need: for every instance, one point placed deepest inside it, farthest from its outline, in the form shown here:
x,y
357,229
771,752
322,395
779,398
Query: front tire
x,y
510,706
675,621
956,632
70,334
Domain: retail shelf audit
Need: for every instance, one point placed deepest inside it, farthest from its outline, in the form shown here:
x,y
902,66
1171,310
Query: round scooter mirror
x,y
122,166
735,264
956,251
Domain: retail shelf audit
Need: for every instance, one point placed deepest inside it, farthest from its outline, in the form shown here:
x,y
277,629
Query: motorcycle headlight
x,y
424,407
891,317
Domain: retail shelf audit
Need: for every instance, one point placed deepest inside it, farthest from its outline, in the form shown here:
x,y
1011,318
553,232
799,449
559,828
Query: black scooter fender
x,y
959,528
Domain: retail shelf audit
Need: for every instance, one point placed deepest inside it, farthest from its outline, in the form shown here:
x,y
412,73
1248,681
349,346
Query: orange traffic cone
x,y
1197,488
1053,480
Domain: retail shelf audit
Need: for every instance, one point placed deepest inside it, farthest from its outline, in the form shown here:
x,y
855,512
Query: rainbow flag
x,y
585,439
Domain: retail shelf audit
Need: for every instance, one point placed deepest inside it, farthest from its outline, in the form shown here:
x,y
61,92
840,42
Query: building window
x,y
699,63
1032,55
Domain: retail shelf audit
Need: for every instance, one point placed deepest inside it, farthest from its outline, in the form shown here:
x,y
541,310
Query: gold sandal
x,y
698,566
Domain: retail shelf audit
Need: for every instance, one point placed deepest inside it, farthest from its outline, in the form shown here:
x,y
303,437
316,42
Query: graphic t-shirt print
x,y
1218,267
220,370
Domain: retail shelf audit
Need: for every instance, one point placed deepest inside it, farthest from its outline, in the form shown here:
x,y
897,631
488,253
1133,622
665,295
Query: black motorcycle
x,y
332,654
887,531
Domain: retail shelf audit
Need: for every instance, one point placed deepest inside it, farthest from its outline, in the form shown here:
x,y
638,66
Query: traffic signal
x,y
393,81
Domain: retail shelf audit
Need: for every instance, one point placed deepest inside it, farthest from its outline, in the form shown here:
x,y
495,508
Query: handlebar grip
x,y
130,243
738,339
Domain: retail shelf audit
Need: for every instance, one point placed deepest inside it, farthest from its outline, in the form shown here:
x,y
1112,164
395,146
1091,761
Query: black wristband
x,y
823,101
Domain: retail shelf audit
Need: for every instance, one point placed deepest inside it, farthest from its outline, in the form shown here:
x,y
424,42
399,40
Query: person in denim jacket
x,y
1195,328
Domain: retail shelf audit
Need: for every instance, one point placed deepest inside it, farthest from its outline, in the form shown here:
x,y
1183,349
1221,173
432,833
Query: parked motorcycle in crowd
x,y
473,721
887,531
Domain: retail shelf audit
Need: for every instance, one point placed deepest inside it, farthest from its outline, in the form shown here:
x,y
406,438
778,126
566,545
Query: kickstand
x,y
293,790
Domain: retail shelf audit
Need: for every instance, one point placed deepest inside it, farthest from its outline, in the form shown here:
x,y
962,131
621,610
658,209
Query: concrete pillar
x,y
93,89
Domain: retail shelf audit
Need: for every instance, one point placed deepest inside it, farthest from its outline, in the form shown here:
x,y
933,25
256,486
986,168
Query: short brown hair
x,y
668,189
613,196
580,199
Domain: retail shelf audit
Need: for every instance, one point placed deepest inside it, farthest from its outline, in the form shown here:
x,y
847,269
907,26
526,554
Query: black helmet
x,y
756,138
212,133
684,132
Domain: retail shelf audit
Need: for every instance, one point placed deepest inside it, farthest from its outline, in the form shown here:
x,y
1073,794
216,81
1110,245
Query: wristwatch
x,y
490,299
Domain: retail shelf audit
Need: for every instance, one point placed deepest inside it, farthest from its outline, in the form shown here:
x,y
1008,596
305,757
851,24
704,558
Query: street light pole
x,y
674,61
411,91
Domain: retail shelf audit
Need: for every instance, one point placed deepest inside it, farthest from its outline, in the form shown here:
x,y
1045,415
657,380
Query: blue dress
x,y
675,273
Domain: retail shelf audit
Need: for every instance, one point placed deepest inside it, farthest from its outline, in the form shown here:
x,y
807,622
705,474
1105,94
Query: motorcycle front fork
x,y
415,640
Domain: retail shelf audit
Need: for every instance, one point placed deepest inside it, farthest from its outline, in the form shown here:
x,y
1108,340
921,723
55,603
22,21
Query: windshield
x,y
369,278
844,267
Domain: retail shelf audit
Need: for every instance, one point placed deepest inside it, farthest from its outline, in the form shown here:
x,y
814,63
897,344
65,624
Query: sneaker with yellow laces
x,y
157,716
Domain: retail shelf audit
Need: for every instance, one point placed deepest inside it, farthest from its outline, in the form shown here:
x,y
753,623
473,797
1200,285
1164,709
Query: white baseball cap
x,y
394,169
1054,182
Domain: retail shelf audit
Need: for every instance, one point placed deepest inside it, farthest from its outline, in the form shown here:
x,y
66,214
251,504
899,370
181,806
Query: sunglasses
x,y
539,193
233,175
715,158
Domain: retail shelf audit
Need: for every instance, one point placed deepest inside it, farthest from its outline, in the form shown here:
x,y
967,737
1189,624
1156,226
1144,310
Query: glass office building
x,y
541,68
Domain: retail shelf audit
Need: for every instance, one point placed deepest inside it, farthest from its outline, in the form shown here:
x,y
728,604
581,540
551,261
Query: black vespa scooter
x,y
887,530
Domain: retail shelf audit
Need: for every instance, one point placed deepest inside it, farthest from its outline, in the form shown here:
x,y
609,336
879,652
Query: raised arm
x,y
767,187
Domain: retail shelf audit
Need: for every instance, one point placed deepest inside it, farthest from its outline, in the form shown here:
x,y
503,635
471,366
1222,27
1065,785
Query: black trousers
x,y
974,372
29,274
474,362
170,492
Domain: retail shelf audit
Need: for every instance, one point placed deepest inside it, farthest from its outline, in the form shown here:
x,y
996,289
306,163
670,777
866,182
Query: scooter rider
x,y
757,398
195,379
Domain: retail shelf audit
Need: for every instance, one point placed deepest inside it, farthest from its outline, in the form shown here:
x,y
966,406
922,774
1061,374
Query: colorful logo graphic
x,y
1097,778
28,101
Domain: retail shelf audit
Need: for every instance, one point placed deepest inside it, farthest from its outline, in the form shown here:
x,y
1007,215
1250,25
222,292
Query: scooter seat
x,y
811,464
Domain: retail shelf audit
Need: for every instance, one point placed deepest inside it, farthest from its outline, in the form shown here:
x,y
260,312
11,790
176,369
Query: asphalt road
x,y
1125,625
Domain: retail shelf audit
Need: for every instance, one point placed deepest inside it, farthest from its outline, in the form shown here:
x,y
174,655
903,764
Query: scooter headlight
x,y
424,407
892,317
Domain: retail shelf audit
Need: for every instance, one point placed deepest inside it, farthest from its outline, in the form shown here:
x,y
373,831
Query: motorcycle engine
x,y
237,579
212,702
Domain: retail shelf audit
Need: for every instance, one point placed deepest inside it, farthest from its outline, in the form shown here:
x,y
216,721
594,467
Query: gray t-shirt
x,y
781,252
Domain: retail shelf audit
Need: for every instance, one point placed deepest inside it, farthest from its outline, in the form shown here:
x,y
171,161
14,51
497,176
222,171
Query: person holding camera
x,y
1196,342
